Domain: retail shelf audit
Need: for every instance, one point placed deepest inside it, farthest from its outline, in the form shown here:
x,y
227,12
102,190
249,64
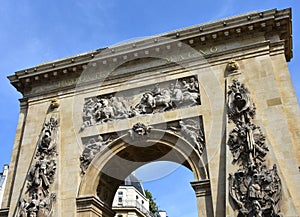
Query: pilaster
x,y
90,206
203,194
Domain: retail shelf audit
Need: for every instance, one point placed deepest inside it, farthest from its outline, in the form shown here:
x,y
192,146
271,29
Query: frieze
x,y
254,188
161,97
161,60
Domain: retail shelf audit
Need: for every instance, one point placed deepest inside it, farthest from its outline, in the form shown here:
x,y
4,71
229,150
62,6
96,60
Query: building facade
x,y
216,98
3,178
130,199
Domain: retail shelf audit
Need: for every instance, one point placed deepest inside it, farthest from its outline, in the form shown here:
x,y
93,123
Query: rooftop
x,y
132,180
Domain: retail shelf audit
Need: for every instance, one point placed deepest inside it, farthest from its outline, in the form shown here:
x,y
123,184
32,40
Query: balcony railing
x,y
134,204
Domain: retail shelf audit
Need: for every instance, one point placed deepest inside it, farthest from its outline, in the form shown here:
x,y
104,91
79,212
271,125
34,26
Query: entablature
x,y
204,38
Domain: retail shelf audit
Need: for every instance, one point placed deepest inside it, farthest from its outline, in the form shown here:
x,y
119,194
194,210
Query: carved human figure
x,y
192,132
41,175
177,95
97,110
156,90
119,108
92,148
89,109
190,98
189,92
107,112
88,116
193,85
33,206
185,86
146,104
163,100
135,111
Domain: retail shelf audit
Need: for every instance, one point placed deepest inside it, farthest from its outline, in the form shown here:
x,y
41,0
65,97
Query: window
x,y
120,200
120,193
137,197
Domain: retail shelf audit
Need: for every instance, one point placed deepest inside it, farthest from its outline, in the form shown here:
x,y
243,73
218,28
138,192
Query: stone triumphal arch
x,y
216,98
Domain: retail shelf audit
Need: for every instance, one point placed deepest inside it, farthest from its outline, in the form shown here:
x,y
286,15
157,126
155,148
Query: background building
x,y
3,178
131,201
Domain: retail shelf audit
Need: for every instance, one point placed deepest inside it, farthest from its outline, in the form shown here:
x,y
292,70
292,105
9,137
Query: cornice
x,y
274,22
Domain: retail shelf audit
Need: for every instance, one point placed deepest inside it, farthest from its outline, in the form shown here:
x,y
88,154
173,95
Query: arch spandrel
x,y
124,155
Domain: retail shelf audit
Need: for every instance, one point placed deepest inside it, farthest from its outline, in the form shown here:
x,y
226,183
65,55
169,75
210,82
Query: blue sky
x,y
35,31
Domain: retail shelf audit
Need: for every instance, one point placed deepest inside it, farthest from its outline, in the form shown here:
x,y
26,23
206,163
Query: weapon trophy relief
x,y
38,199
152,99
254,188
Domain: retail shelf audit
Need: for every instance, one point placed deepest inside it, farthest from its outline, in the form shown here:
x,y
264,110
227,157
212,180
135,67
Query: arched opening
x,y
169,183
124,155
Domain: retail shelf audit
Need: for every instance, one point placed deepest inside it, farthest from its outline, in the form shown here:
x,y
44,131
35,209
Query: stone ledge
x,y
4,212
89,205
202,188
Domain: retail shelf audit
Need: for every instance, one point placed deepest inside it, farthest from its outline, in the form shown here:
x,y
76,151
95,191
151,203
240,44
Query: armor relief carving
x,y
160,97
254,188
38,198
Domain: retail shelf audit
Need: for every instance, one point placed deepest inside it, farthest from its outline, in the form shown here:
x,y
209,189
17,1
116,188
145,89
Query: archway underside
x,y
125,154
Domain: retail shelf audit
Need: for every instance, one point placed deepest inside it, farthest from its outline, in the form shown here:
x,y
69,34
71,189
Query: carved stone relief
x,y
190,129
139,131
38,199
240,106
232,67
160,97
254,188
92,146
247,144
